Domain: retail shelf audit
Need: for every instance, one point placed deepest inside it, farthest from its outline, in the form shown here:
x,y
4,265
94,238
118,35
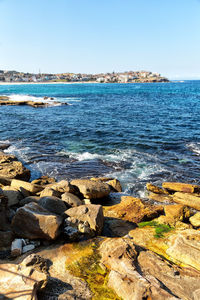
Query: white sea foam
x,y
22,97
195,147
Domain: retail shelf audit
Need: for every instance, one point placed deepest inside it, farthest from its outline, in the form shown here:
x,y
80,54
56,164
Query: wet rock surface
x,y
69,240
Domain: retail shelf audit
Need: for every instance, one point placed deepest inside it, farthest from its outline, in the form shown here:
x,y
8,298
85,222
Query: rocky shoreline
x,y
4,100
84,239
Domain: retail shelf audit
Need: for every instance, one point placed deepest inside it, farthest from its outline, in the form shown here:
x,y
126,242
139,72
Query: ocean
x,y
137,133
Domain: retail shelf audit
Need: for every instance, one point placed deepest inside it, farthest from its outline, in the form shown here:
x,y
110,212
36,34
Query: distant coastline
x,y
119,77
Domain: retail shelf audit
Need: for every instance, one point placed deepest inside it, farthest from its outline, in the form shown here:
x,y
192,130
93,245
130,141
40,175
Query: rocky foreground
x,y
70,240
4,100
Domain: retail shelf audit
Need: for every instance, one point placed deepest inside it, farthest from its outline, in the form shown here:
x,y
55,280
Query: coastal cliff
x,y
85,239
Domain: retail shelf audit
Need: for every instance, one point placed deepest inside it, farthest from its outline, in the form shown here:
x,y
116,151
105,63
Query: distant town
x,y
119,77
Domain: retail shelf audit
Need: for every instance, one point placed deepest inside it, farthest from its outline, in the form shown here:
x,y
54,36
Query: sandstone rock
x,y
104,179
32,188
187,199
71,199
92,189
48,192
20,281
28,200
181,187
120,256
44,180
133,210
155,189
34,222
13,195
10,167
91,213
185,248
181,282
195,220
115,185
53,204
160,197
64,186
174,214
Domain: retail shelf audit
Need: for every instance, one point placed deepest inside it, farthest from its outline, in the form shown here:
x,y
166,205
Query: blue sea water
x,y
134,132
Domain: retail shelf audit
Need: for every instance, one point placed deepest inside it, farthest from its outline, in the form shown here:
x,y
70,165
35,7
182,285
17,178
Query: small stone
x,y
28,248
16,247
71,233
195,220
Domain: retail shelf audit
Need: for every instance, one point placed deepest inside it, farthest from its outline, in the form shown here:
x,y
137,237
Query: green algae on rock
x,y
160,229
84,262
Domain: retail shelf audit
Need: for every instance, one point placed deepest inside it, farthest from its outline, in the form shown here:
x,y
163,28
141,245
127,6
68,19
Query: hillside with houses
x,y
121,77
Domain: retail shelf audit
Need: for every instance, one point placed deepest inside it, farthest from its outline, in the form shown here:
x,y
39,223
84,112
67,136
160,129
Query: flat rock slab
x,y
133,210
92,189
29,103
187,199
181,187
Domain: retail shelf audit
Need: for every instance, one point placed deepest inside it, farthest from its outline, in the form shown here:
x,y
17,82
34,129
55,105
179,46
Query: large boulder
x,y
64,186
155,189
93,214
44,180
187,199
91,189
133,210
30,187
53,204
115,185
181,187
12,168
34,222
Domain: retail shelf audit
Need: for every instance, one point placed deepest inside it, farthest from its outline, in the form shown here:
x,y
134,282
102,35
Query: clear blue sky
x,y
101,36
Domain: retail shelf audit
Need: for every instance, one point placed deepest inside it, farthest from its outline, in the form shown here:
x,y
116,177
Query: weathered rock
x,y
160,197
34,222
21,281
53,204
180,282
28,200
115,185
12,194
92,189
187,199
155,189
103,179
44,180
28,248
133,210
116,227
195,220
64,186
48,192
71,233
32,188
91,213
71,200
10,167
173,214
120,256
181,187
185,248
